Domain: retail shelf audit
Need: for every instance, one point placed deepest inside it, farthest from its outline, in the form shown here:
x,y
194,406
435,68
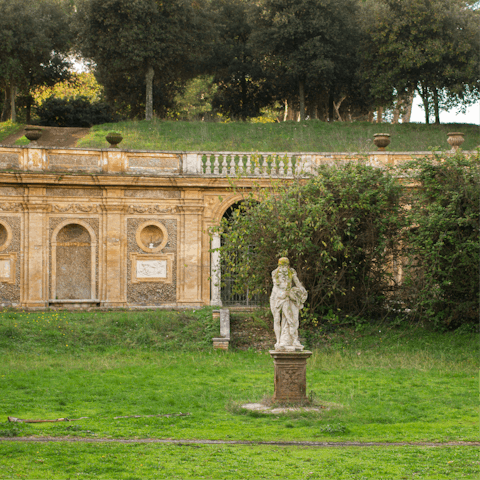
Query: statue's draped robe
x,y
287,300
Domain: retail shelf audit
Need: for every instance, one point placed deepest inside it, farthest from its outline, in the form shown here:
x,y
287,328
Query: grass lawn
x,y
382,383
310,136
9,128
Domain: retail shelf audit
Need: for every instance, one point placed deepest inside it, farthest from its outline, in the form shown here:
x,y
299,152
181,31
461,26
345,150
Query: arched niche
x,y
74,245
221,291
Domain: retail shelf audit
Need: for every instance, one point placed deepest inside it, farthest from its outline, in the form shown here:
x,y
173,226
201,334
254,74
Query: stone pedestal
x,y
290,375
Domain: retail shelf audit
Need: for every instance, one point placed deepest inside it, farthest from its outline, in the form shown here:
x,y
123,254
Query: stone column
x,y
290,375
114,244
215,273
35,291
190,262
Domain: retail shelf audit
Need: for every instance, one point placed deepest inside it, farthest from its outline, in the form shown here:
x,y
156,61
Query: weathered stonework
x,y
290,379
74,192
111,192
63,163
70,259
155,291
152,193
9,160
10,241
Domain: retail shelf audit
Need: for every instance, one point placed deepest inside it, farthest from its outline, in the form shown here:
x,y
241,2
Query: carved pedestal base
x,y
290,375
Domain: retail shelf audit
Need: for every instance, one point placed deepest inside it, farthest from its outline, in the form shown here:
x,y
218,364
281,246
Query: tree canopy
x,y
130,39
34,41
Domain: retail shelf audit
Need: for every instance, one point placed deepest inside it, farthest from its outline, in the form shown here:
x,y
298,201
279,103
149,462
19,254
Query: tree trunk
x,y
370,116
380,115
29,110
330,105
243,86
336,106
422,90
396,110
6,105
435,106
408,105
149,100
301,94
13,112
285,113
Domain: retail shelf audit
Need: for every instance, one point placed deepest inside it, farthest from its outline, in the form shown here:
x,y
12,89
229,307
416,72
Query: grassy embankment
x,y
310,136
380,383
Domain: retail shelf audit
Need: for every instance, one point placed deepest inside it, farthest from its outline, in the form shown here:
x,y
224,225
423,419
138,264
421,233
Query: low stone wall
x,y
203,164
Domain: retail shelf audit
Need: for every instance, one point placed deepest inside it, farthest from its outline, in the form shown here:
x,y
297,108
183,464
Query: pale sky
x,y
472,115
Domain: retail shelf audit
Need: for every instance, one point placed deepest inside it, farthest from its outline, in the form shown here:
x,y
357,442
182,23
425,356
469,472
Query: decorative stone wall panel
x,y
152,193
90,163
10,292
145,292
9,160
163,165
74,192
9,191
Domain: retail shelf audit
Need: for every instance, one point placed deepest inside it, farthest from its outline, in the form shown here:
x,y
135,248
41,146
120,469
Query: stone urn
x,y
114,138
381,140
33,134
455,139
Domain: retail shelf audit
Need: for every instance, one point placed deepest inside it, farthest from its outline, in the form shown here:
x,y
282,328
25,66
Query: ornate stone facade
x,y
69,221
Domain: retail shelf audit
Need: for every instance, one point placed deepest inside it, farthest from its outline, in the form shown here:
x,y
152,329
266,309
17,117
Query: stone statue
x,y
286,301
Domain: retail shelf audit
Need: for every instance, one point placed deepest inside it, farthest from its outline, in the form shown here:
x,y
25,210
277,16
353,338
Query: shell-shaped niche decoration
x,y
151,236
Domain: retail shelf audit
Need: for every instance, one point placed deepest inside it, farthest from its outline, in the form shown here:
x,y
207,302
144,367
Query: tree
x,y
311,41
428,45
128,39
243,86
337,228
34,39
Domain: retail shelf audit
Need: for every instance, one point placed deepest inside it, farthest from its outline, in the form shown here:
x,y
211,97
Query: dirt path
x,y
238,442
52,136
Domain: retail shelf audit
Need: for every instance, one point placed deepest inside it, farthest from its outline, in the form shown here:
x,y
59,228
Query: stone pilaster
x,y
190,261
36,250
115,251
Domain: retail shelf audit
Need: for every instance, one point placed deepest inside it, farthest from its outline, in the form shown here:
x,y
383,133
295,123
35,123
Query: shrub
x,y
442,243
74,112
338,228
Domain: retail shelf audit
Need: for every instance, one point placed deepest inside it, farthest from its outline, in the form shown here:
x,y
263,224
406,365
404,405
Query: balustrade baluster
x,y
265,165
248,168
281,168
257,166
224,166
232,165
208,165
216,165
289,167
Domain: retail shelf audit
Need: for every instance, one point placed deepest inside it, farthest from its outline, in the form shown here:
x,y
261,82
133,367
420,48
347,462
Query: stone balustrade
x,y
202,164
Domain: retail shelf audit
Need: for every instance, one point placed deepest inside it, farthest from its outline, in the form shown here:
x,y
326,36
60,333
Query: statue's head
x,y
283,262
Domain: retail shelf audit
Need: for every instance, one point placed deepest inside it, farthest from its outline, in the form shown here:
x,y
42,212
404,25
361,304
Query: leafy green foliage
x,y
442,244
428,44
34,39
136,43
74,112
337,228
312,44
